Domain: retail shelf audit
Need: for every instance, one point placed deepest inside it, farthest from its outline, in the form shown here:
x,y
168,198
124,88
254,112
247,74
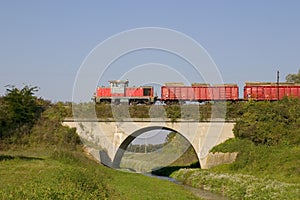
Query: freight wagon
x,y
270,91
199,93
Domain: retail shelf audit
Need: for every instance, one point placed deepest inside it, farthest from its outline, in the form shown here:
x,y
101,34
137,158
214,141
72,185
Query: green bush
x,y
270,123
48,130
20,109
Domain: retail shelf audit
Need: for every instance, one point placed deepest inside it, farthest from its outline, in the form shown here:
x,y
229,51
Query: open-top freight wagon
x,y
199,93
270,91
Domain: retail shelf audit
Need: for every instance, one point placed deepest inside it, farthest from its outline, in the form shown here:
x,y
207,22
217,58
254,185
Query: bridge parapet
x,y
70,119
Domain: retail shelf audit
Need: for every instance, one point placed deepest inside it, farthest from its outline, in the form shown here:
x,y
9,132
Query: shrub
x,y
270,123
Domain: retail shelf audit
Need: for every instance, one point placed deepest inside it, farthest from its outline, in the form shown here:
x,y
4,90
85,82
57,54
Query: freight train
x,y
119,92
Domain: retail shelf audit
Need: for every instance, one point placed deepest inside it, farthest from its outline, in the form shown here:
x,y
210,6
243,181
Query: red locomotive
x,y
119,92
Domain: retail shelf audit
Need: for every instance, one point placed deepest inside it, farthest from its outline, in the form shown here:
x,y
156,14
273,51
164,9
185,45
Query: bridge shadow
x,y
104,158
167,171
27,158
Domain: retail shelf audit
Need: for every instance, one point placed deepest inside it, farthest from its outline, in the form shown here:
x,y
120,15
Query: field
x,y
64,174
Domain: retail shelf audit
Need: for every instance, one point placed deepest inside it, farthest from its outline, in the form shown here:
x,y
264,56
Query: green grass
x,y
65,174
238,186
260,172
148,162
281,163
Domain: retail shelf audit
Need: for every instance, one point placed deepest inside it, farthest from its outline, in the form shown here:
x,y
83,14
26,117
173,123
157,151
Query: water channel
x,y
204,194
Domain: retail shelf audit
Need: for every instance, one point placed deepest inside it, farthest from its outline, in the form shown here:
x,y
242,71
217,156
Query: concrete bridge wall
x,y
110,138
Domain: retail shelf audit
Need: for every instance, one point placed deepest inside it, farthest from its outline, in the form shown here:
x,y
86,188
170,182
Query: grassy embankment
x,y
43,173
260,172
268,163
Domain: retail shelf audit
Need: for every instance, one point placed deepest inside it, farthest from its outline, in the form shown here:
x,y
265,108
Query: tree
x,y
293,78
19,110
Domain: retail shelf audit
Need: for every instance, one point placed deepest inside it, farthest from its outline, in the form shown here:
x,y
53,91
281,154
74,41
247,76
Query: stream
x,y
204,194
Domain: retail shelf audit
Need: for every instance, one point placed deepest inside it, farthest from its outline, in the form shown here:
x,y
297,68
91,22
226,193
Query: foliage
x,y
173,112
270,123
293,78
140,111
201,112
30,121
49,131
205,111
103,110
20,109
21,105
234,110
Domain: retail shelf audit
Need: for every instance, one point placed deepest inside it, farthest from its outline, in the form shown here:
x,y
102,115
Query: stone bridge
x,y
110,138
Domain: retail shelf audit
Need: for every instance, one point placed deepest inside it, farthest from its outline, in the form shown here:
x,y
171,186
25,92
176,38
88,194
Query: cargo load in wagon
x,y
174,84
200,84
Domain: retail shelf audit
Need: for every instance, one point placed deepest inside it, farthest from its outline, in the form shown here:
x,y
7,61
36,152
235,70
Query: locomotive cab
x,y
118,88
118,91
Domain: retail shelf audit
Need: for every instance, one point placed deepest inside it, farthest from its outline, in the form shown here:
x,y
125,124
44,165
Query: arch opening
x,y
161,155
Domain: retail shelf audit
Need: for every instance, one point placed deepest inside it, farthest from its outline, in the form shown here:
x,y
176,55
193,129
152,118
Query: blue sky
x,y
43,43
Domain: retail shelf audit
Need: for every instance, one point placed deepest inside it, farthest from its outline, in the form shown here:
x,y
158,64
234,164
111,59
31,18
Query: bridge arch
x,y
113,137
126,142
